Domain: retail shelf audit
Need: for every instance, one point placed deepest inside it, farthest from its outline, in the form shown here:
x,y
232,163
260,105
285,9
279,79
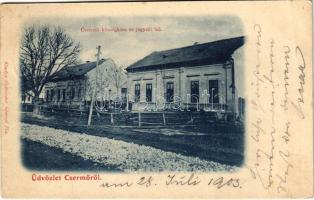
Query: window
x,y
47,95
52,95
63,94
72,93
59,94
148,92
137,92
194,91
79,93
213,91
23,97
169,92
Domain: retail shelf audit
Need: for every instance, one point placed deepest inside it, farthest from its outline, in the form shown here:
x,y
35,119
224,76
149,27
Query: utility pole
x,y
94,89
233,88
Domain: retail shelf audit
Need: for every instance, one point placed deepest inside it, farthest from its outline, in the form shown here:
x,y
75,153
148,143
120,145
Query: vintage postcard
x,y
157,100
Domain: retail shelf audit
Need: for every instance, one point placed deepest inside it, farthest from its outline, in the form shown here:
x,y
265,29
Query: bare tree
x,y
118,77
102,84
44,51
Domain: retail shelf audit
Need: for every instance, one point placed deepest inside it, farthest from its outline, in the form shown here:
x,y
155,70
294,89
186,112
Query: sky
x,y
126,47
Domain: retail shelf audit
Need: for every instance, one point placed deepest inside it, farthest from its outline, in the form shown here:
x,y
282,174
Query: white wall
x,y
182,78
105,82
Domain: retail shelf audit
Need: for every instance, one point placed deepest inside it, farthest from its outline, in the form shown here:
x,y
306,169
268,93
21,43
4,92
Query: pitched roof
x,y
76,70
206,53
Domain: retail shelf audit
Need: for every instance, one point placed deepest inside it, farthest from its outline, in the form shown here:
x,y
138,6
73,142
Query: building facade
x,y
197,77
73,86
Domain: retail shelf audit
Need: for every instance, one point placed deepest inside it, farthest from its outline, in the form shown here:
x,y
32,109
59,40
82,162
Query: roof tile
x,y
211,53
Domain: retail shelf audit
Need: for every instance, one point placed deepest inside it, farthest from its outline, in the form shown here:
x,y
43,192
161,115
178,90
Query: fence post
x,y
164,118
139,119
111,118
192,120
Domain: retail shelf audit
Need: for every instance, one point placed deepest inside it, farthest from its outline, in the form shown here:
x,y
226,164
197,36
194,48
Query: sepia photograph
x,y
204,99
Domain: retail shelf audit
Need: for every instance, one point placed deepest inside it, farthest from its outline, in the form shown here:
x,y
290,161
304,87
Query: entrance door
x,y
213,91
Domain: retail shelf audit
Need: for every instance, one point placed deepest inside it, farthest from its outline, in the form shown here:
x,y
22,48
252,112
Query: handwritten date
x,y
174,180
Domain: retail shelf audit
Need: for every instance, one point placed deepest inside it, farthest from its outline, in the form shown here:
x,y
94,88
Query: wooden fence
x,y
135,118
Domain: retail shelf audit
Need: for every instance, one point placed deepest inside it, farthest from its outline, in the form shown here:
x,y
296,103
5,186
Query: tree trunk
x,y
36,104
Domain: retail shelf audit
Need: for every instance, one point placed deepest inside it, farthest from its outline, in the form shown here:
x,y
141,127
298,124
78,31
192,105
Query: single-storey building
x,y
73,86
200,76
28,97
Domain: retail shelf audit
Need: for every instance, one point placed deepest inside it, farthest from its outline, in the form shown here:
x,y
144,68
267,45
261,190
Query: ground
x,y
38,156
218,147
